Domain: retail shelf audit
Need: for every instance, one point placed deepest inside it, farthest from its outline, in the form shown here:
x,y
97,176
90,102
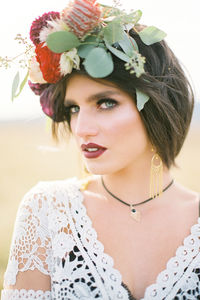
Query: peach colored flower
x,y
35,73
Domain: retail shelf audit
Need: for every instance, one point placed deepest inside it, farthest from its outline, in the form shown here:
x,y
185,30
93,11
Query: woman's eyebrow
x,y
91,98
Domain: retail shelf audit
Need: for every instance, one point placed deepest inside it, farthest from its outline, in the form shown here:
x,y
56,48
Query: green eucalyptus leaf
x,y
136,16
108,11
15,85
87,45
91,39
113,32
99,63
62,41
84,50
142,98
132,18
118,53
151,35
23,84
128,44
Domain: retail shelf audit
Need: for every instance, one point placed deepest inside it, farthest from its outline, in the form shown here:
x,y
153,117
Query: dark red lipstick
x,y
92,150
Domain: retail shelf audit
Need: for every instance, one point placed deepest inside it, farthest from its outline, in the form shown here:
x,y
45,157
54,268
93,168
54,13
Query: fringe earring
x,y
85,176
156,176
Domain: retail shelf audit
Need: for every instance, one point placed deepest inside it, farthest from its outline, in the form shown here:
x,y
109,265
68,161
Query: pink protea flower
x,y
49,63
53,26
82,16
40,23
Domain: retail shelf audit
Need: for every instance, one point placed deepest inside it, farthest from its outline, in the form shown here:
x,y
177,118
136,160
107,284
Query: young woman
x,y
106,237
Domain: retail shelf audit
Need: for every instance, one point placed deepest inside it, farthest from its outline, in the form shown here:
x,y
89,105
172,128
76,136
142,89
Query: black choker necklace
x,y
134,213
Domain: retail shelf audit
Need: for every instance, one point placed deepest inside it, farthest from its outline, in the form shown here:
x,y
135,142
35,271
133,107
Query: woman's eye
x,y
73,109
106,103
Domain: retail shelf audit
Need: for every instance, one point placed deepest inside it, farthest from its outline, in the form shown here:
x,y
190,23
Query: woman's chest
x,y
84,253
140,251
138,257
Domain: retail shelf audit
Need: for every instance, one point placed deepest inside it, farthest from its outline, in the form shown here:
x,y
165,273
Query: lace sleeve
x,y
28,273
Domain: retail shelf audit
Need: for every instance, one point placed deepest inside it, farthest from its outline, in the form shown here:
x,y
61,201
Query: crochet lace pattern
x,y
54,235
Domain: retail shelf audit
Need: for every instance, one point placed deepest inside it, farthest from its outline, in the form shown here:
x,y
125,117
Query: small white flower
x,y
68,61
53,26
63,243
35,73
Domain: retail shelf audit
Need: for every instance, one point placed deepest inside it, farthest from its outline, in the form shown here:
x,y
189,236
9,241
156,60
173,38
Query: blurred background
x,y
28,153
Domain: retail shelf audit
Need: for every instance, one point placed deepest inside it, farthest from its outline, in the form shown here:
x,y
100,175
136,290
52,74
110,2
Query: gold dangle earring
x,y
156,176
84,174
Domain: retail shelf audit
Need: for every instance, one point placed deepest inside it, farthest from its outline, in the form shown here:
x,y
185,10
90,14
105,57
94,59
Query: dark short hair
x,y
166,116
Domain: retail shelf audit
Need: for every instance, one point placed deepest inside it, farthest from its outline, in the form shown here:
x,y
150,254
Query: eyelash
x,y
99,103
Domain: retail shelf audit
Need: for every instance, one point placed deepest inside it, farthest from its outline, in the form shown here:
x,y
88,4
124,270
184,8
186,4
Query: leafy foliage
x,y
88,44
131,18
128,44
95,39
136,64
151,35
15,85
99,63
142,98
62,41
121,55
113,32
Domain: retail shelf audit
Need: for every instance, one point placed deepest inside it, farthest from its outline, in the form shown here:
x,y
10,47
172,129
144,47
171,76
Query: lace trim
x,y
178,269
31,243
172,278
109,278
25,294
66,227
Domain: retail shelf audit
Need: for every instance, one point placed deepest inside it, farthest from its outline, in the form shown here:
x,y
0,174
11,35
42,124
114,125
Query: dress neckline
x,y
181,253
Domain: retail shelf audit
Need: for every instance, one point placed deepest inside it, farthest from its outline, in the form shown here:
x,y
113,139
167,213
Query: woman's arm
x,y
28,274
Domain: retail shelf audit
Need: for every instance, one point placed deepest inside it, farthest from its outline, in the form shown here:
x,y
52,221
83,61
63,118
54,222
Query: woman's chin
x,y
99,169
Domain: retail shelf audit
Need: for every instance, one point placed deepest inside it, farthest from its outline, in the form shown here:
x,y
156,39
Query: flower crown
x,y
84,32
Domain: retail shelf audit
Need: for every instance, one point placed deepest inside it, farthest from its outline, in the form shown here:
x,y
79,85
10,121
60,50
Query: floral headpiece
x,y
84,32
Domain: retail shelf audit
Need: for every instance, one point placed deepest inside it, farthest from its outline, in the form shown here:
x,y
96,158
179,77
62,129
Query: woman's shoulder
x,y
46,194
184,207
187,197
50,188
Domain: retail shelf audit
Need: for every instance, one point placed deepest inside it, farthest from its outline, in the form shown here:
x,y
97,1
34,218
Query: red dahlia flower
x,y
37,88
82,16
49,63
46,101
41,22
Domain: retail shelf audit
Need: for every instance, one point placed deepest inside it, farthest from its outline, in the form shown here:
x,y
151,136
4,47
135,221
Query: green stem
x,y
11,59
131,39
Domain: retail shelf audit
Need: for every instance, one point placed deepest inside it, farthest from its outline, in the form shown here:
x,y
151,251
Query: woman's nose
x,y
85,125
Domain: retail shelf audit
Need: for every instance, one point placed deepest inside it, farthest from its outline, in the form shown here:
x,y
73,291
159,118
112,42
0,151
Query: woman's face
x,y
106,125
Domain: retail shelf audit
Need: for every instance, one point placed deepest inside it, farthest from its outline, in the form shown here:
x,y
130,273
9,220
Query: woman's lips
x,y
92,150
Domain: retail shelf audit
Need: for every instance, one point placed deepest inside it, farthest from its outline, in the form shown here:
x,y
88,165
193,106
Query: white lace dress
x,y
54,236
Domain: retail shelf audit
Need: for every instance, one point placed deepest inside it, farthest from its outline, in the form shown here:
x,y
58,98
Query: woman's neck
x,y
133,186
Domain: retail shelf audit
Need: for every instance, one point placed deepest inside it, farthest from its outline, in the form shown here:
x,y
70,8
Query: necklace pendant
x,y
135,214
